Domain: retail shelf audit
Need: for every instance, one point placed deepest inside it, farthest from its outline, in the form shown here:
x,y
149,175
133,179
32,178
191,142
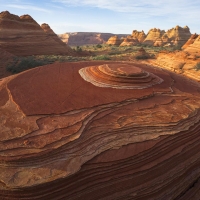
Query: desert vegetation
x,y
96,52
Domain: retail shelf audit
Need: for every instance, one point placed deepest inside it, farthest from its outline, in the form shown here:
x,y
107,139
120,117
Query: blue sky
x,y
114,16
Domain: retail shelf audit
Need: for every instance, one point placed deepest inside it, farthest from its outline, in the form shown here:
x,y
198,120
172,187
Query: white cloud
x,y
28,7
145,7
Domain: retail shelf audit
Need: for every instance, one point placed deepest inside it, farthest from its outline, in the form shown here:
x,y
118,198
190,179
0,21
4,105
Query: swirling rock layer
x,y
119,76
65,138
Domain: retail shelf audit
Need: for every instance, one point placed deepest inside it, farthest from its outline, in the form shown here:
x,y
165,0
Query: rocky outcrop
x,y
190,41
23,36
194,48
64,137
115,40
86,38
140,35
178,35
142,54
153,36
179,62
129,41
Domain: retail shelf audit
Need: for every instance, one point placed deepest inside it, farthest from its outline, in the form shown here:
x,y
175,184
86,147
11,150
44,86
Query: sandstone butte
x,y
115,40
85,38
99,130
140,35
176,36
23,36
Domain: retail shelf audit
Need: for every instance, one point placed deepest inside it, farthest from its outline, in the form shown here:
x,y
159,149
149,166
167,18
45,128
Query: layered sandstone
x,y
153,36
23,36
190,41
114,40
130,41
64,137
140,35
194,48
180,62
86,38
178,35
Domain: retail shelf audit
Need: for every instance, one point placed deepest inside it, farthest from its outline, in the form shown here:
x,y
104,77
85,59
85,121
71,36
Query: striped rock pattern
x,y
65,138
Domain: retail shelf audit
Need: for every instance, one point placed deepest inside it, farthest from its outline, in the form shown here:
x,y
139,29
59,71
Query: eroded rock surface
x,y
23,36
63,137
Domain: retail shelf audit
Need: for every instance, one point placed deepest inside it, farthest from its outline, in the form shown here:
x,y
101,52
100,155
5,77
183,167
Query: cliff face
x,y
194,48
99,130
84,38
23,36
190,41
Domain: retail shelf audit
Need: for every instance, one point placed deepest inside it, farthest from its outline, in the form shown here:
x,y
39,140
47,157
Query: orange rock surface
x,y
140,35
190,41
180,62
23,36
64,137
194,48
129,41
114,40
153,35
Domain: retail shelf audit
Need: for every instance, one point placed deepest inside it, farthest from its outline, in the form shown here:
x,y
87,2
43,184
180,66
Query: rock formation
x,y
70,136
178,35
23,36
194,48
190,41
142,54
179,62
153,36
129,41
85,38
114,40
140,35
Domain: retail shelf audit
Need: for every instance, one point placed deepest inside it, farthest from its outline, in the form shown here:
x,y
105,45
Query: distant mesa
x,y
86,38
120,76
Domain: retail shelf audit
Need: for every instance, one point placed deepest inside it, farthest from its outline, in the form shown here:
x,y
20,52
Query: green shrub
x,y
142,57
101,57
99,46
197,66
23,64
78,49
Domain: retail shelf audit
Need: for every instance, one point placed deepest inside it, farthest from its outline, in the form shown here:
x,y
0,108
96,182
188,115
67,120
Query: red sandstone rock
x,y
129,41
65,138
23,36
142,54
139,35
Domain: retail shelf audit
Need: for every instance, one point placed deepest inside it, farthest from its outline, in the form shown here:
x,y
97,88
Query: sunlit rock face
x,y
23,36
63,137
119,76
